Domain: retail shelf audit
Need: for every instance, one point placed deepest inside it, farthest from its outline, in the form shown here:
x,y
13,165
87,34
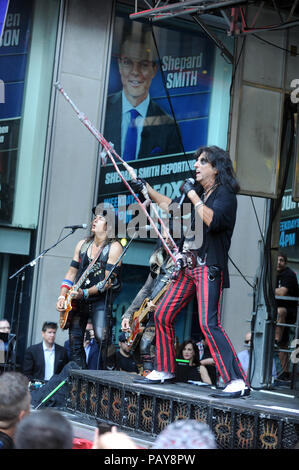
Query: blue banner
x,y
3,11
187,60
14,48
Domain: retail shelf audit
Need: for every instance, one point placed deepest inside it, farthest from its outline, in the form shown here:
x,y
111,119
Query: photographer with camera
x,y
7,347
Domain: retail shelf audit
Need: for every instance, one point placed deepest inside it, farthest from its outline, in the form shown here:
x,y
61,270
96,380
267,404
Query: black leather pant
x,y
97,313
147,344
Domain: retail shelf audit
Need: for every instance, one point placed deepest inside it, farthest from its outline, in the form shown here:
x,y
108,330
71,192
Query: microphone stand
x,y
109,302
20,272
33,262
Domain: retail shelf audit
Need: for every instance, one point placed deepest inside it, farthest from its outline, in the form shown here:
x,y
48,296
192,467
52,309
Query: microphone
x,y
190,180
74,227
147,227
142,227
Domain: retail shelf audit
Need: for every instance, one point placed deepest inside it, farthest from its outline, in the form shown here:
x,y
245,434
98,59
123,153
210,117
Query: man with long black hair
x,y
95,255
214,201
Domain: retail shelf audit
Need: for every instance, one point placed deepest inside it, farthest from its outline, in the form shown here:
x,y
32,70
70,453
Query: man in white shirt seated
x,y
43,360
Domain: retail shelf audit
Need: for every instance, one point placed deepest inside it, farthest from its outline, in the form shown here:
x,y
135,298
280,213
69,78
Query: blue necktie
x,y
131,138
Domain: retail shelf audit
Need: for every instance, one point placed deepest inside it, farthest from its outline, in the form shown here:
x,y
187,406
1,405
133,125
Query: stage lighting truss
x,y
234,13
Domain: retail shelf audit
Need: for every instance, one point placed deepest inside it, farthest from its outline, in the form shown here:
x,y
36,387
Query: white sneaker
x,y
162,376
235,389
237,385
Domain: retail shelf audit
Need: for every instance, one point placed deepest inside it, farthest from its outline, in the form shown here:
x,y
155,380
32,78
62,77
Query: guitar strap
x,y
163,277
103,249
81,277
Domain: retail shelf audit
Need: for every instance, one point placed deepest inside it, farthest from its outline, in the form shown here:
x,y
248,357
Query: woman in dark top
x,y
188,350
214,205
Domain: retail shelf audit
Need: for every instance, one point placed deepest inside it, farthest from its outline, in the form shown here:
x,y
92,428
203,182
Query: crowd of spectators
x,y
24,428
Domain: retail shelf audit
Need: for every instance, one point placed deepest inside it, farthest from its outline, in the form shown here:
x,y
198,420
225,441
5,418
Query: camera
x,y
87,335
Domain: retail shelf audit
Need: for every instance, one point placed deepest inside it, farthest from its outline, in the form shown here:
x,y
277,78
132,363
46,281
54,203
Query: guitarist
x,y
161,267
90,299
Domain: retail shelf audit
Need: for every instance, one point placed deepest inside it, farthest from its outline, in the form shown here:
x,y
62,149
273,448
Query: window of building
x,y
26,67
27,52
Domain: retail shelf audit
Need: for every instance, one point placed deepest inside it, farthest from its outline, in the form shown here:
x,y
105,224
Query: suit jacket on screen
x,y
159,135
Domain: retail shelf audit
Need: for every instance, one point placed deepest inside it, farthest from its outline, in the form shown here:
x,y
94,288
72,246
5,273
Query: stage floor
x,y
281,400
265,419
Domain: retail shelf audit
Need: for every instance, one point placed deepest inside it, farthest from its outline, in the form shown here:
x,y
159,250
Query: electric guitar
x,y
66,315
139,316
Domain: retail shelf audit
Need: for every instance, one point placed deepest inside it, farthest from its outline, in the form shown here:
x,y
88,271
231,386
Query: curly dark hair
x,y
220,160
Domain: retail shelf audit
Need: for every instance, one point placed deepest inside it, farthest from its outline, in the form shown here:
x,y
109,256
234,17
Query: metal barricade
x,y
292,350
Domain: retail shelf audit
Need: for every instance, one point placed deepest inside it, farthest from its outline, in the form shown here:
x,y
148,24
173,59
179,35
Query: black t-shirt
x,y
217,237
6,441
287,278
194,374
185,372
127,364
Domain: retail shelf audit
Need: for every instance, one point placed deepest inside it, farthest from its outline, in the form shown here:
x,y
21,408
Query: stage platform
x,y
264,420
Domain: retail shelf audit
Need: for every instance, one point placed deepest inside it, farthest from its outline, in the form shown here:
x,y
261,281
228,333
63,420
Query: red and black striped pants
x,y
208,291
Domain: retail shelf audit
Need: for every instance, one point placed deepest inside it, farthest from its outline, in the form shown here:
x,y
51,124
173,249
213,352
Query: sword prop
x,y
110,150
133,175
